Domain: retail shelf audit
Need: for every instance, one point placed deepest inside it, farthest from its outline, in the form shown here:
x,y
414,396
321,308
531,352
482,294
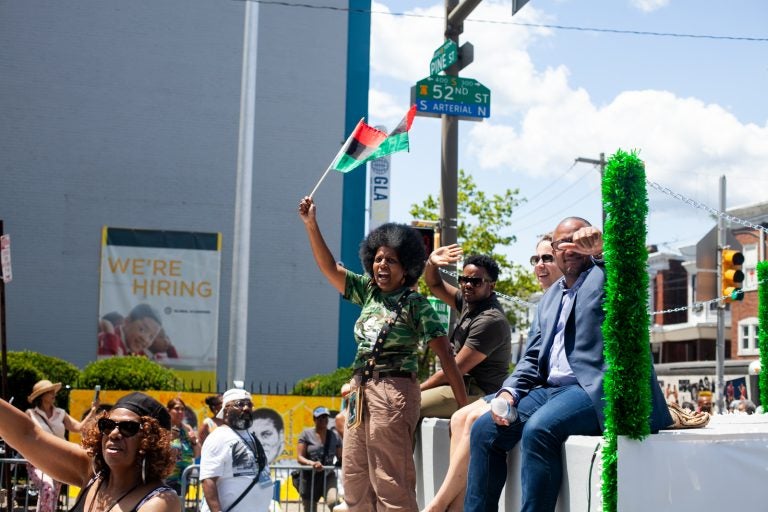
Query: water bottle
x,y
503,409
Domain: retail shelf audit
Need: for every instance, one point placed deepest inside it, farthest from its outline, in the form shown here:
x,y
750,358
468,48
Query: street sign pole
x,y
450,143
455,14
4,370
3,345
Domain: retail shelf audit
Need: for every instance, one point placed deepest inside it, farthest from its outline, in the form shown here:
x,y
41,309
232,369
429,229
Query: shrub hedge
x,y
135,373
323,385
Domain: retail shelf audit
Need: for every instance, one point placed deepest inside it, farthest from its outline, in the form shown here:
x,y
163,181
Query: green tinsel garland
x,y
762,322
625,328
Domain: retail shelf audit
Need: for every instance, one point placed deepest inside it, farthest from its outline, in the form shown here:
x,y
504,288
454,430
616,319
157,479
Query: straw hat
x,y
43,386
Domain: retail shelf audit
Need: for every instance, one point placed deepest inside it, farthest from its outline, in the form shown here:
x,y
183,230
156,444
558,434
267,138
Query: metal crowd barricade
x,y
285,497
191,492
17,488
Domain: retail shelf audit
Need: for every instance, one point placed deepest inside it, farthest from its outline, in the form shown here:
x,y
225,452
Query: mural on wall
x,y
278,419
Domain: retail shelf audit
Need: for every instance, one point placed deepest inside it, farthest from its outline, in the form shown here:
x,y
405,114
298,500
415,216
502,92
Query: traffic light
x,y
428,234
732,274
428,229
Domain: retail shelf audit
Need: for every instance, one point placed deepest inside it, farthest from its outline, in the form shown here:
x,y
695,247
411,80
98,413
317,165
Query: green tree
x,y
482,221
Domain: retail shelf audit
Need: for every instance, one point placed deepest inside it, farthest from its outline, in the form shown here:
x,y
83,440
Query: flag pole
x,y
319,182
338,155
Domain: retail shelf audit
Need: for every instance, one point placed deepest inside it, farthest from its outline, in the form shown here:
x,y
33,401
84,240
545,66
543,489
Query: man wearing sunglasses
x,y
482,337
233,466
557,387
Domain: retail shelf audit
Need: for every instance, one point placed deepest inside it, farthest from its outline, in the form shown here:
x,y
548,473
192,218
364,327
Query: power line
x,y
517,23
550,199
546,188
561,211
636,32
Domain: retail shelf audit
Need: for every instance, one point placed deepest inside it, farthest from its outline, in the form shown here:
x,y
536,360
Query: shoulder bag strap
x,y
42,417
246,491
261,460
327,445
383,333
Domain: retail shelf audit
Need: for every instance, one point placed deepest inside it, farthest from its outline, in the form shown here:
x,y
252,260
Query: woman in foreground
x,y
121,464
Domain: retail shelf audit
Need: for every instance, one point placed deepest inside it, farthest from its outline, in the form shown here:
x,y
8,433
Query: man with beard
x,y
557,387
233,467
482,337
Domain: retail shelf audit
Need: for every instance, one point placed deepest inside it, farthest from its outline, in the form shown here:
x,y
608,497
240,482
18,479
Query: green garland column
x,y
762,322
625,328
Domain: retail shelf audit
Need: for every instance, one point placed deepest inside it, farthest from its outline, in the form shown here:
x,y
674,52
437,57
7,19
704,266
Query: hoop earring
x,y
144,469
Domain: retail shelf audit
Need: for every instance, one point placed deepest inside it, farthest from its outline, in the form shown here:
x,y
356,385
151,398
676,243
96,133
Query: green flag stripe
x,y
345,163
393,144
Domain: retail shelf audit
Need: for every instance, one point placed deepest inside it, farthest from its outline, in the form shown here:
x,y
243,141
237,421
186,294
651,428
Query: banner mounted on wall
x,y
159,297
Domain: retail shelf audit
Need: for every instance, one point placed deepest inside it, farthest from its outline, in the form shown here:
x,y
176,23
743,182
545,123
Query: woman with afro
x,y
379,472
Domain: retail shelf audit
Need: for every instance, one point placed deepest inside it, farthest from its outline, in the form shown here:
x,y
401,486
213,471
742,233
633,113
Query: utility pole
x,y
455,14
6,482
601,163
3,344
720,343
241,250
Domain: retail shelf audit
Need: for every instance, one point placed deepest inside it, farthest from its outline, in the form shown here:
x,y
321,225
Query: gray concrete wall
x,y
126,114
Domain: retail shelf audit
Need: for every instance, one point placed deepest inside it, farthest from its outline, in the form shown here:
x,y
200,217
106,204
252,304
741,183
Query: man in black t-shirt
x,y
482,337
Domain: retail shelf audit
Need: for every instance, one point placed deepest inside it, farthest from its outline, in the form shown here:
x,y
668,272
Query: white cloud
x,y
385,109
649,5
682,140
402,46
540,122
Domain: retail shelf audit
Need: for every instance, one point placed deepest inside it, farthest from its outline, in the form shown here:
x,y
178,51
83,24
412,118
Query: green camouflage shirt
x,y
417,325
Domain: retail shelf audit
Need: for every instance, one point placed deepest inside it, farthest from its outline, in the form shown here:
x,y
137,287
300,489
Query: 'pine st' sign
x,y
444,57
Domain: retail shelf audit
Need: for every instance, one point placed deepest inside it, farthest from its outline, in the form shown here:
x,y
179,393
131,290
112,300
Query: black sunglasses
x,y
127,428
240,404
474,281
546,258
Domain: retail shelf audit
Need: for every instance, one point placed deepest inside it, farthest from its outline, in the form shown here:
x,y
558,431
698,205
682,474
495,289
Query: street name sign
x,y
444,57
5,258
452,95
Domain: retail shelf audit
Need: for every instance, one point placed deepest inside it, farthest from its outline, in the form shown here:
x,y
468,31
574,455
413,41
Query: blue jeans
x,y
546,417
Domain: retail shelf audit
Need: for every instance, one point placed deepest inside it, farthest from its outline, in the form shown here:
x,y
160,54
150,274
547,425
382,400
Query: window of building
x,y
750,266
748,335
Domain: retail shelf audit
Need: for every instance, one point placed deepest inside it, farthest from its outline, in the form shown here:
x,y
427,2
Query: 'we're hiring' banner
x,y
159,297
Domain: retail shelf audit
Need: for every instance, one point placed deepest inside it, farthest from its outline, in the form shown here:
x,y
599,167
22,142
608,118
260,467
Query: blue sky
x,y
695,108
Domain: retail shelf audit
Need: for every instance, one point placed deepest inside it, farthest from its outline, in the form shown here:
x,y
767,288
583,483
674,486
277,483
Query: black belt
x,y
378,374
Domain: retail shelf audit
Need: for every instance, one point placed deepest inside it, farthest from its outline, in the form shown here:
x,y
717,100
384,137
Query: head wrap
x,y
145,405
231,395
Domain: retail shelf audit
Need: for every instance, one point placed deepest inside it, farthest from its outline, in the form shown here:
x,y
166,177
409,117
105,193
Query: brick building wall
x,y
744,309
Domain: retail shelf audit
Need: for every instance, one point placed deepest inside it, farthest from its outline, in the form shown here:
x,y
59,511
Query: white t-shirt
x,y
227,456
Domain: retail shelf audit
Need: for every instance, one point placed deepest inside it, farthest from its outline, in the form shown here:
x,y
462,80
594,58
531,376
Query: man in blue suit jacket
x,y
557,387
